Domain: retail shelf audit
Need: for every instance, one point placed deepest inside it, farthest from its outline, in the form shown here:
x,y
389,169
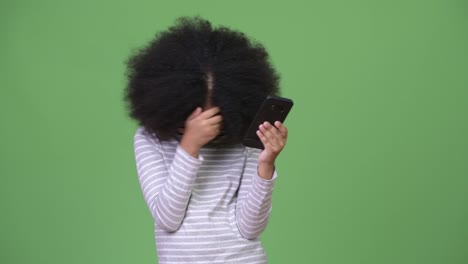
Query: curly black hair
x,y
169,78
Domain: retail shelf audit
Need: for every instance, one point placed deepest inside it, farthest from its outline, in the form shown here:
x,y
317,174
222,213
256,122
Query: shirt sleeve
x,y
166,190
254,199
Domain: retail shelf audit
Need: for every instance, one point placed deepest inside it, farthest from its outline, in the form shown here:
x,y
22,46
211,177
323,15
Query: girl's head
x,y
194,64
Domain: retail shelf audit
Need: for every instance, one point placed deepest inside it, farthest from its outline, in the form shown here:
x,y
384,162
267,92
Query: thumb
x,y
195,113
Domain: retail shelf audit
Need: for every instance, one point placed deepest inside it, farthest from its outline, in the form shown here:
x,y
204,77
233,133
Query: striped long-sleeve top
x,y
209,209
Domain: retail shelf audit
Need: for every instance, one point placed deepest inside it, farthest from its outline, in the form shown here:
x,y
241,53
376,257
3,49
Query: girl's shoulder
x,y
142,132
149,137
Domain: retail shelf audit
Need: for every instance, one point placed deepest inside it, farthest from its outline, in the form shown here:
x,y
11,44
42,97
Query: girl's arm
x,y
166,190
254,199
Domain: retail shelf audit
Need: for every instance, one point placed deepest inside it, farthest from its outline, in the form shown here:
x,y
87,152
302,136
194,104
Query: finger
x,y
274,137
267,137
216,127
210,113
282,129
195,113
217,119
262,138
270,127
271,141
271,133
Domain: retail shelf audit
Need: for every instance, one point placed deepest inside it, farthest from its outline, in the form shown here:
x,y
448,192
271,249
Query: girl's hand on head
x,y
201,128
273,139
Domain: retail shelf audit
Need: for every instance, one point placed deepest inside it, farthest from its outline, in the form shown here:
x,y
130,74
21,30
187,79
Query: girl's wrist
x,y
266,169
189,147
267,160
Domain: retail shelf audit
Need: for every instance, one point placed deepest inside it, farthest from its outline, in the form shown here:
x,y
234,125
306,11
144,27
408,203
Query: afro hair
x,y
169,78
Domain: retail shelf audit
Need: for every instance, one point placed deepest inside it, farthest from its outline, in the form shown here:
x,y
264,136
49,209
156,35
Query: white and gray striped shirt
x,y
209,209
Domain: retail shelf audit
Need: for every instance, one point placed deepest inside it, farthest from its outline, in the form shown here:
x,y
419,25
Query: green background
x,y
376,166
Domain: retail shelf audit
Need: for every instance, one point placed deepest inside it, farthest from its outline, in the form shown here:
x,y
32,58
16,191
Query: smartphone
x,y
273,109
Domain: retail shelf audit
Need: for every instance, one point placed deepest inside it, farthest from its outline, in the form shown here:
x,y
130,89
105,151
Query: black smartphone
x,y
273,109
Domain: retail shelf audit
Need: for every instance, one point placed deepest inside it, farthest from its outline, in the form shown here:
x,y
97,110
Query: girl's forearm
x,y
265,170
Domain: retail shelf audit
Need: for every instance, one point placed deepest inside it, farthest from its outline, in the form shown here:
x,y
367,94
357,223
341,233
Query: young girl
x,y
194,91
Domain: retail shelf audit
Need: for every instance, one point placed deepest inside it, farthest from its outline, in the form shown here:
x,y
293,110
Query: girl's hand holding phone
x,y
200,128
273,139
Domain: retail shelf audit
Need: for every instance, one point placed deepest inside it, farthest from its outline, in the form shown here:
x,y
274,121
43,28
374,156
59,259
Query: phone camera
x,y
277,108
